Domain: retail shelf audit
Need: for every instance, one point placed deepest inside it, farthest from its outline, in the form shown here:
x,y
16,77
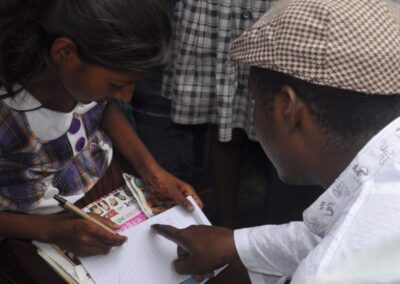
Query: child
x,y
61,63
204,89
326,80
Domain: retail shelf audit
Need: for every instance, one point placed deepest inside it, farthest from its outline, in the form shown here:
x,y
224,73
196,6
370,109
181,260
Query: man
x,y
326,80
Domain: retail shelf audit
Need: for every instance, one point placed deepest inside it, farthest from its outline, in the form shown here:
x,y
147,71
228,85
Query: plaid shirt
x,y
202,86
28,164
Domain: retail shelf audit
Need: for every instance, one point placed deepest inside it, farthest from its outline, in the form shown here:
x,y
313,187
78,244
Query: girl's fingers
x,y
106,222
188,190
181,199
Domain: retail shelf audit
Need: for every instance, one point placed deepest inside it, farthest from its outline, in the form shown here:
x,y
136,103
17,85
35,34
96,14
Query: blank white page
x,y
146,257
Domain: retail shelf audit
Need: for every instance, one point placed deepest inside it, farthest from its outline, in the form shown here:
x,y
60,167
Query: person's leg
x,y
225,167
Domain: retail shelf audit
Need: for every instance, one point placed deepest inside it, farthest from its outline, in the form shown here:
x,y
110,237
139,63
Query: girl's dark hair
x,y
343,114
126,35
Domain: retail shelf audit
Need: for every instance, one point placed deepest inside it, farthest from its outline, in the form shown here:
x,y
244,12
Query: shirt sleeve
x,y
274,249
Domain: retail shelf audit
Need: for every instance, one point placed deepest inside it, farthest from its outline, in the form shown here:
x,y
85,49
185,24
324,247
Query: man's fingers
x,y
169,232
181,252
183,266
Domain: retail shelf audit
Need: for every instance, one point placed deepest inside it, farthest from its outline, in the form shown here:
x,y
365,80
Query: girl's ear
x,y
63,51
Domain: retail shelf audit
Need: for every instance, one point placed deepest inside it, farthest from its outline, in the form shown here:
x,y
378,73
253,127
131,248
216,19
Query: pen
x,y
62,202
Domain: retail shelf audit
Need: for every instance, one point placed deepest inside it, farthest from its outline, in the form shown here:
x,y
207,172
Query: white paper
x,y
146,257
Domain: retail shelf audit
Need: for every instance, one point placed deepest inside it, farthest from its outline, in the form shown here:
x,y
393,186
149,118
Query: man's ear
x,y
63,51
291,108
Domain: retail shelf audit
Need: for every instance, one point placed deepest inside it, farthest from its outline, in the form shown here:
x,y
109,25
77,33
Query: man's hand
x,y
201,249
81,236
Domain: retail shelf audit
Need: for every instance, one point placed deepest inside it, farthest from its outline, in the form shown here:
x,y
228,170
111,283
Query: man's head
x,y
297,121
325,76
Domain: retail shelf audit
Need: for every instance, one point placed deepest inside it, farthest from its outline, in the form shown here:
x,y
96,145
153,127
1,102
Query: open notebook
x,y
146,257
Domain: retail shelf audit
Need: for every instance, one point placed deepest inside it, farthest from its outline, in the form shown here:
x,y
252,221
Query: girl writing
x,y
61,64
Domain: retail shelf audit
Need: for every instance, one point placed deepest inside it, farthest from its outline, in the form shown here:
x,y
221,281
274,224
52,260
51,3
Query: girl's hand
x,y
81,236
129,145
173,188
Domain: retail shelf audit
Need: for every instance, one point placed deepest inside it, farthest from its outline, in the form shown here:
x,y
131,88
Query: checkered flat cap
x,y
347,44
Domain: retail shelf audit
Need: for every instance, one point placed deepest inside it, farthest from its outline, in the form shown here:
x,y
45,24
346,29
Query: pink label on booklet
x,y
135,220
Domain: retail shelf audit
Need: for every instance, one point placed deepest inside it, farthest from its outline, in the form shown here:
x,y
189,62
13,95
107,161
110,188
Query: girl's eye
x,y
115,86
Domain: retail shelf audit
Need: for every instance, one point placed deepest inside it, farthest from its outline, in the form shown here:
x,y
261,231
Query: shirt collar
x,y
21,101
25,101
323,214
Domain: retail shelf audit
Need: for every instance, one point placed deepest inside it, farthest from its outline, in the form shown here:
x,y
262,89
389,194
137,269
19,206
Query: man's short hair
x,y
343,114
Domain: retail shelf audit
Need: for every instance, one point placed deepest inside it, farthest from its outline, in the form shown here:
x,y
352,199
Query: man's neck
x,y
335,162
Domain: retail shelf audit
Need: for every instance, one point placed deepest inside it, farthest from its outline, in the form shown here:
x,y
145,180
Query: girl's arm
x,y
78,235
135,152
24,226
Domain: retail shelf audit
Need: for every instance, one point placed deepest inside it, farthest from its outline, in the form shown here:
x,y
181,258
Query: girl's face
x,y
87,82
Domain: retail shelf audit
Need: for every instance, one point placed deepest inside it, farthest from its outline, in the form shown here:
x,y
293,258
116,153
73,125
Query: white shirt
x,y
357,212
379,264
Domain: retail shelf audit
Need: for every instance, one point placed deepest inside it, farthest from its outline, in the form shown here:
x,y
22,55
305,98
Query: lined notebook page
x,y
146,257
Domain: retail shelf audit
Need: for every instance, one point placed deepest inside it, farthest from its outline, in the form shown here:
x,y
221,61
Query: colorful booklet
x,y
129,205
120,206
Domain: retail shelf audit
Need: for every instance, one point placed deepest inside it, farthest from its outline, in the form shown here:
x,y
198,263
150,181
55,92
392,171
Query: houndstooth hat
x,y
348,44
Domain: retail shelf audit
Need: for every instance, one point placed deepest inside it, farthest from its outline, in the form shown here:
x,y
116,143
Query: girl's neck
x,y
49,91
